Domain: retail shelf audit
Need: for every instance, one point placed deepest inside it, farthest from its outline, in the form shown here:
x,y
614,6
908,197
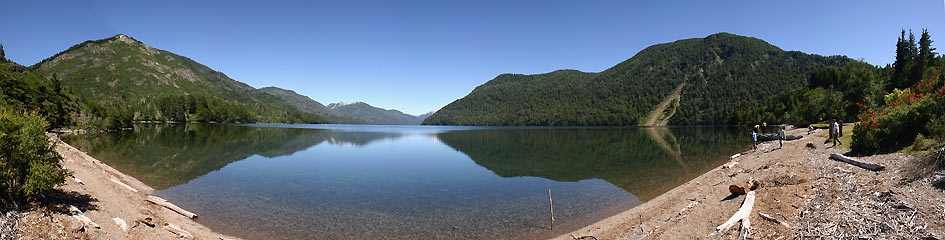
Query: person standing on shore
x,y
780,137
754,138
834,130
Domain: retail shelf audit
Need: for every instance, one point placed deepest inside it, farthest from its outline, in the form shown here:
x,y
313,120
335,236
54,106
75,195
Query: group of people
x,y
754,137
835,130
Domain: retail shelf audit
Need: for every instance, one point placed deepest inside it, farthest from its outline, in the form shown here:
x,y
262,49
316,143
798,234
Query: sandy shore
x,y
103,195
813,196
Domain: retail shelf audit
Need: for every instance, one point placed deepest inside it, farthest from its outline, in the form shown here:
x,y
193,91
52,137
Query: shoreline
x,y
810,195
107,197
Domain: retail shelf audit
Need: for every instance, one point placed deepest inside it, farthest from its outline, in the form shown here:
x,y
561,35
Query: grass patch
x,y
846,138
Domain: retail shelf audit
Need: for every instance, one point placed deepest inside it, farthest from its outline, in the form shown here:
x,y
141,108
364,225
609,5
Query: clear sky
x,y
418,56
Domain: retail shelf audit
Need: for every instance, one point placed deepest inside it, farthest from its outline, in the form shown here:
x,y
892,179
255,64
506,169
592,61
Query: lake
x,y
277,181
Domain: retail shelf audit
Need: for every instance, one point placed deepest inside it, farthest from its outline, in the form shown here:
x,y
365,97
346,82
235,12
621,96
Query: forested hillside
x,y
721,72
119,80
22,90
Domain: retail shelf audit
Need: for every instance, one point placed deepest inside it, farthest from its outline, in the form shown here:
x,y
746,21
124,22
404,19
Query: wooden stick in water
x,y
552,208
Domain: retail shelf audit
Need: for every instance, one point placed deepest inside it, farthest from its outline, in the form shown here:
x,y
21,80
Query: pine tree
x,y
3,55
926,51
923,56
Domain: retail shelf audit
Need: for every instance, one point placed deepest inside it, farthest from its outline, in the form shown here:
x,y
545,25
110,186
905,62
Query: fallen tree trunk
x,y
171,206
854,162
742,215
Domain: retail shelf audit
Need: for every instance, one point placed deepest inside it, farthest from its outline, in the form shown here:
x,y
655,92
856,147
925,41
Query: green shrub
x,y
892,129
29,164
937,127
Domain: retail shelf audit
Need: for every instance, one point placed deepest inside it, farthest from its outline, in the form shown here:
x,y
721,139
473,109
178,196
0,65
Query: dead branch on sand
x,y
742,215
171,206
174,228
854,162
77,214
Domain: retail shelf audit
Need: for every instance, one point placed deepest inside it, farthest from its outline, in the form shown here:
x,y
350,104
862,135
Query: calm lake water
x,y
420,182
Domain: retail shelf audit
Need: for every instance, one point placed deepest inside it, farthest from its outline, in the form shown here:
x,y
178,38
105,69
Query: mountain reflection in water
x,y
346,181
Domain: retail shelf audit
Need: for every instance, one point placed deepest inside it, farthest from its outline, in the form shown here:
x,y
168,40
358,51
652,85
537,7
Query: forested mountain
x,y
118,80
720,72
375,115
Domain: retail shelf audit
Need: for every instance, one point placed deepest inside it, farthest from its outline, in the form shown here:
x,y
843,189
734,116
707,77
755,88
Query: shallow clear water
x,y
370,182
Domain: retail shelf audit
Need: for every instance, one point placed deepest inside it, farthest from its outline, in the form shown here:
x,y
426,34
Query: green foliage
x,y
908,113
912,60
119,80
722,72
22,89
832,93
29,164
915,105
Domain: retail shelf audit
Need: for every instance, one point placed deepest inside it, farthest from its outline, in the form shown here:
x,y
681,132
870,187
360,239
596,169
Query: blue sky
x,y
417,56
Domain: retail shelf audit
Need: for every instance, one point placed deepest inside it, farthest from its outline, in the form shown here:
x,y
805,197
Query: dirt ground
x,y
810,194
102,199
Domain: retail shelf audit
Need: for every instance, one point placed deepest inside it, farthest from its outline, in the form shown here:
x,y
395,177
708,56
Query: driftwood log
x,y
854,162
171,206
774,137
742,215
77,214
174,228
121,223
116,181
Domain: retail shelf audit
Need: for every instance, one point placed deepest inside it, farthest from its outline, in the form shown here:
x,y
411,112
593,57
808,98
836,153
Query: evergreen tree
x,y
921,60
902,60
908,66
3,55
925,47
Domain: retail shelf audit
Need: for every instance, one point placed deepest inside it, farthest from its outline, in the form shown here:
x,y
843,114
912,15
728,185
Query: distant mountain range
x,y
351,113
374,115
119,80
686,82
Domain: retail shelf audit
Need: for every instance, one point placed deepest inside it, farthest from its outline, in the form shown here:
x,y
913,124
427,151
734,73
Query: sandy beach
x,y
808,194
107,197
